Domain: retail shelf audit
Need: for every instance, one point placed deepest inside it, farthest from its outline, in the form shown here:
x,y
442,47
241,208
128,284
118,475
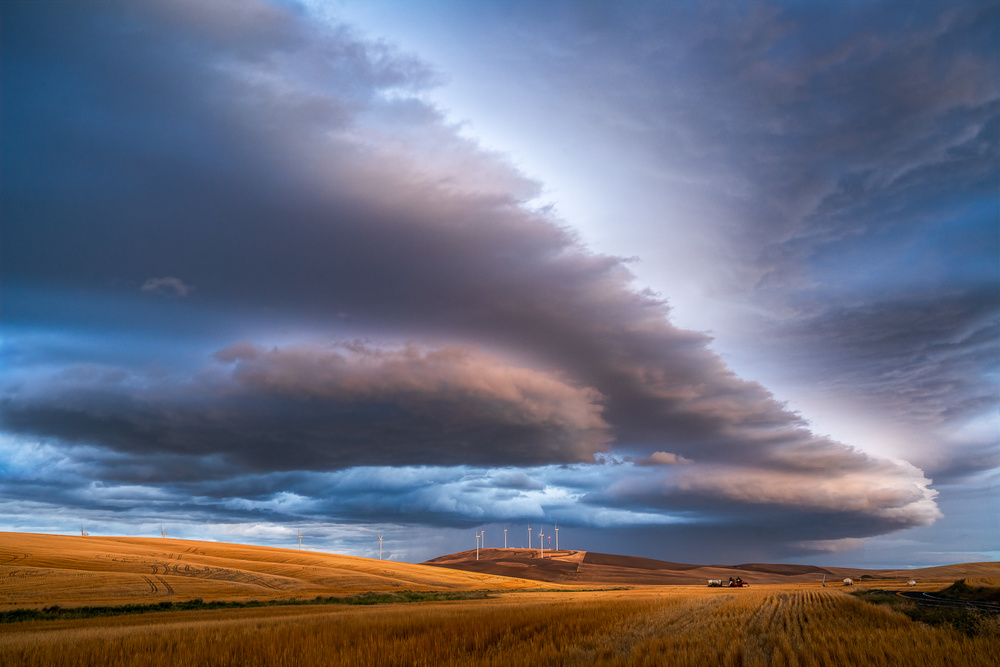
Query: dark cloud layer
x,y
322,408
401,306
924,357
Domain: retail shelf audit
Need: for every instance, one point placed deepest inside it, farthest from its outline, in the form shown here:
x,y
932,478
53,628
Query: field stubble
x,y
782,625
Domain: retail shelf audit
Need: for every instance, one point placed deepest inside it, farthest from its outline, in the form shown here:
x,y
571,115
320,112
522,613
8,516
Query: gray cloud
x,y
923,357
167,285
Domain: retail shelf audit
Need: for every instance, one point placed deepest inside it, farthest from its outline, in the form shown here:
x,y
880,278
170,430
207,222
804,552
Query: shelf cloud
x,y
372,317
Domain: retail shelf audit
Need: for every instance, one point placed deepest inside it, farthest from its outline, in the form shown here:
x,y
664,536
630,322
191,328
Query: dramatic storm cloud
x,y
308,408
258,274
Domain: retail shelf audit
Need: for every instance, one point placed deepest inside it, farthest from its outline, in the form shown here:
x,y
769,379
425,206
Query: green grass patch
x,y
370,598
969,622
961,590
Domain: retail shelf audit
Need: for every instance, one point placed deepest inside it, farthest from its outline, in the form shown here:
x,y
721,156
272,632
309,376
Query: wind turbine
x,y
163,533
300,539
529,537
557,537
477,545
380,547
504,538
83,533
484,539
541,544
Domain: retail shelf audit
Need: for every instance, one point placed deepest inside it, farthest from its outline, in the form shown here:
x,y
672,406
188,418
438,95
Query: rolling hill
x,y
40,570
592,568
66,570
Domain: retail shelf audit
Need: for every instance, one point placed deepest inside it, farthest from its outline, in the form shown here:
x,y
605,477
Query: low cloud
x,y
663,459
768,512
167,285
829,546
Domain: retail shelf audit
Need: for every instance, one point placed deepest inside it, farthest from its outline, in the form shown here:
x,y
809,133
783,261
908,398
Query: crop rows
x,y
676,627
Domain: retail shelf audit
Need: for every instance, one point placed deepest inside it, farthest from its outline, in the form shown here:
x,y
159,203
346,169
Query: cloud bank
x,y
385,328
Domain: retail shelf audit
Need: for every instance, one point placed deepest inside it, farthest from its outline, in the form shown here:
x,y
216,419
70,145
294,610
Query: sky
x,y
699,281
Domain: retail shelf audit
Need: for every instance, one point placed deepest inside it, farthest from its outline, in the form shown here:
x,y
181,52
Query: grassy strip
x,y
969,622
571,590
56,612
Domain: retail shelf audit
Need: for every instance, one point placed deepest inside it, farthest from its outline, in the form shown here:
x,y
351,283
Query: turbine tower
x,y
557,537
541,544
477,545
529,537
163,533
300,539
380,547
83,533
504,538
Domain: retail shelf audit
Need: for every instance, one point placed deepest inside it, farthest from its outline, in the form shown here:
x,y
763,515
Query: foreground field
x,y
650,626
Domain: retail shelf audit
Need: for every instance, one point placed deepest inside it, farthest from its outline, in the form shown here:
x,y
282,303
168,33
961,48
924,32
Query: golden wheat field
x,y
38,570
518,624
674,626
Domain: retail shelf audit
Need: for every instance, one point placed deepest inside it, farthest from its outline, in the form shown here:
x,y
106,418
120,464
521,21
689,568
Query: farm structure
x,y
733,583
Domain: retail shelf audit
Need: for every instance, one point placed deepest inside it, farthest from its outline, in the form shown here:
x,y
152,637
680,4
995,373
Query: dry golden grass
x,y
792,625
41,570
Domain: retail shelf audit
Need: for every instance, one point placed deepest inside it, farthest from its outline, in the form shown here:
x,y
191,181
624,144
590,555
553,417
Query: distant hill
x,y
592,568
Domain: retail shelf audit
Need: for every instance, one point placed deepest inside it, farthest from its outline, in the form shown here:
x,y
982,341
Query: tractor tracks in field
x,y
14,558
155,583
172,569
170,589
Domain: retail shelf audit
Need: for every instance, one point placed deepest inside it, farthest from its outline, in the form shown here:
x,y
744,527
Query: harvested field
x,y
786,625
43,570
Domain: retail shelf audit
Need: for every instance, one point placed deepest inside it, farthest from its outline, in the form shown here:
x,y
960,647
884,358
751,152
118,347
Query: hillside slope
x,y
68,570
